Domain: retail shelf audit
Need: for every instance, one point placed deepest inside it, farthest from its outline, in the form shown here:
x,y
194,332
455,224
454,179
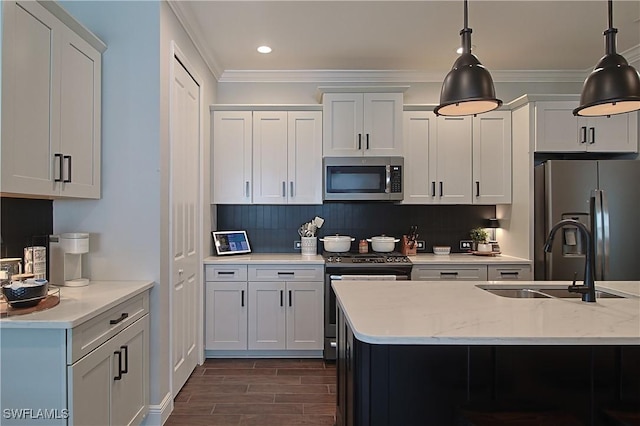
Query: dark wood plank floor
x,y
257,392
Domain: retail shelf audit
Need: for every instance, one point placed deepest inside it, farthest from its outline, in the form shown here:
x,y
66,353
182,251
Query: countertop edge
x,y
28,322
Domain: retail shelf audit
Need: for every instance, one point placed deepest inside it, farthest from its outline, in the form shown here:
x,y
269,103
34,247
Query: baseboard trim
x,y
158,414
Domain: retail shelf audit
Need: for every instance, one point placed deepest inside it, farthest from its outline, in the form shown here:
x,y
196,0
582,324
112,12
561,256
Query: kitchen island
x,y
420,352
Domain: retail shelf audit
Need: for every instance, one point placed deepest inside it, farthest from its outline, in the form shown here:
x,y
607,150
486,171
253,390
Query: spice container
x,y
363,246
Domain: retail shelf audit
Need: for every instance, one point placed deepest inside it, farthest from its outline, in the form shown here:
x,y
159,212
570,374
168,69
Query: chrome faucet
x,y
588,287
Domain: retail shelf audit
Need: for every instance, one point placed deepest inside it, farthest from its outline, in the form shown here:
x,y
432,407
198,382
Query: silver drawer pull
x,y
286,273
226,273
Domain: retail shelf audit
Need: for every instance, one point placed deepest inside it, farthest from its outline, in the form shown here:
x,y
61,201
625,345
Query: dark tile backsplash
x,y
274,228
24,222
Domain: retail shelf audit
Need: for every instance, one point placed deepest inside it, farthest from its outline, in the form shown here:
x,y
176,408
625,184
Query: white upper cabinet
x,y
492,158
51,95
287,157
457,160
451,162
558,130
231,169
362,124
419,134
267,157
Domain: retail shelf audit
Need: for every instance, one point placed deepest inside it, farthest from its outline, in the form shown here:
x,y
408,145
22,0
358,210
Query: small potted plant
x,y
478,236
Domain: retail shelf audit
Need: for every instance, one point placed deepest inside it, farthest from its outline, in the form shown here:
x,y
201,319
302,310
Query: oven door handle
x,y
369,277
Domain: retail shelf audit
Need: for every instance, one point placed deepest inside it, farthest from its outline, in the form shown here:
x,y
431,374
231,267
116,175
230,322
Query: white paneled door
x,y
184,224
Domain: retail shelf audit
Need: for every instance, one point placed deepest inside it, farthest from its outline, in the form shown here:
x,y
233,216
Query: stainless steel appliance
x,y
363,178
601,194
356,266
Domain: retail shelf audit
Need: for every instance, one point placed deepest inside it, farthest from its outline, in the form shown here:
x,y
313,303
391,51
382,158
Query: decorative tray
x,y
485,253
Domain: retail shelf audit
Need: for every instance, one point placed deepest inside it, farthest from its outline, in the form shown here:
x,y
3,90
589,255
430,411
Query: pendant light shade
x,y
468,88
613,87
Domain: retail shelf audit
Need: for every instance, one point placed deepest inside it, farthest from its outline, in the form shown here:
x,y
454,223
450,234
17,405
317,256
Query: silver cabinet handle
x,y
441,188
246,189
592,133
477,188
291,189
583,138
433,189
367,139
359,140
284,188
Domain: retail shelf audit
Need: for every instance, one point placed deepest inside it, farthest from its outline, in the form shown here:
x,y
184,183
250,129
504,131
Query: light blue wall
x,y
126,220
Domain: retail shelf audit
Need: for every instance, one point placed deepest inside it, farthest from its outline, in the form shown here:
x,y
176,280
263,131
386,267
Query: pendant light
x,y
613,87
468,88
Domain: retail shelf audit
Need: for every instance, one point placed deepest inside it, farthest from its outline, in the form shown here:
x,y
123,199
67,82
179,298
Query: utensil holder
x,y
309,246
408,248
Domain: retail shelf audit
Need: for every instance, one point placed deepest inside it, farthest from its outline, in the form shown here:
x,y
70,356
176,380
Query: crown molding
x,y
185,17
389,76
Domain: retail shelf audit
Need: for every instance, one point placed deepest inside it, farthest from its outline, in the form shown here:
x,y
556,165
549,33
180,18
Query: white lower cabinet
x,y
108,386
264,308
465,272
96,373
285,315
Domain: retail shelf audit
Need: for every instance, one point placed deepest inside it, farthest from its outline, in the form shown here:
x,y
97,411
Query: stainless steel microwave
x,y
363,178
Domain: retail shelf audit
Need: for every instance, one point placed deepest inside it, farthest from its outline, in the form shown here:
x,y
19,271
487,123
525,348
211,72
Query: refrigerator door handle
x,y
606,234
597,231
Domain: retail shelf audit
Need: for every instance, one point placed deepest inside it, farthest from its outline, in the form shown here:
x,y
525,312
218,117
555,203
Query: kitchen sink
x,y
540,291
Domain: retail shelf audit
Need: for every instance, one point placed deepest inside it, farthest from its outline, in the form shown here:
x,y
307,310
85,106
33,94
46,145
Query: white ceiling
x,y
406,36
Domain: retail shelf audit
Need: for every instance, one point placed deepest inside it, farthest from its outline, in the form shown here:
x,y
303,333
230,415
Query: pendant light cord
x,y
466,31
610,13
610,33
466,19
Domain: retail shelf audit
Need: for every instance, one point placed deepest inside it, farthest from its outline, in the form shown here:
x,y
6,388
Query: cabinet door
x,y
270,157
453,160
231,172
267,315
305,315
618,133
492,158
130,394
80,93
89,387
419,133
382,124
29,128
342,134
226,315
557,128
304,157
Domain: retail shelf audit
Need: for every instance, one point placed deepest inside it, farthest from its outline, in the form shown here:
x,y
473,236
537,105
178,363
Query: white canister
x,y
75,243
35,261
309,246
485,248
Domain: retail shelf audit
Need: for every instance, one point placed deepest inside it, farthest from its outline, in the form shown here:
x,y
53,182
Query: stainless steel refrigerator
x,y
602,194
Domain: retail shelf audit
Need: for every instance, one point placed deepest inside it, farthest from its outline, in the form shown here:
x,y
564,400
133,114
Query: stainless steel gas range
x,y
356,266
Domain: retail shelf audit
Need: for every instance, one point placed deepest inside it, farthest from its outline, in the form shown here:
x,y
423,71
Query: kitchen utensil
x,y
441,249
383,243
337,243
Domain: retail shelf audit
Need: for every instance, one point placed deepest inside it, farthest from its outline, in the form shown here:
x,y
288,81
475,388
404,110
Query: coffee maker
x,y
67,252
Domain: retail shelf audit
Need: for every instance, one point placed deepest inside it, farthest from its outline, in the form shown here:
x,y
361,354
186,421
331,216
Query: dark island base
x,y
477,385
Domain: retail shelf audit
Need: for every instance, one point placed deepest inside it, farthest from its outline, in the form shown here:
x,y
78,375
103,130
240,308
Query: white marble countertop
x,y
466,258
265,258
79,304
419,259
441,312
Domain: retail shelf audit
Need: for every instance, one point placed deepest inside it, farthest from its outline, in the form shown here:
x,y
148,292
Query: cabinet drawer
x,y
462,273
87,336
513,272
286,273
225,273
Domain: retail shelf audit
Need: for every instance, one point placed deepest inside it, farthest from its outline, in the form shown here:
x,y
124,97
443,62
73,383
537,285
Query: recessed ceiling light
x,y
264,49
